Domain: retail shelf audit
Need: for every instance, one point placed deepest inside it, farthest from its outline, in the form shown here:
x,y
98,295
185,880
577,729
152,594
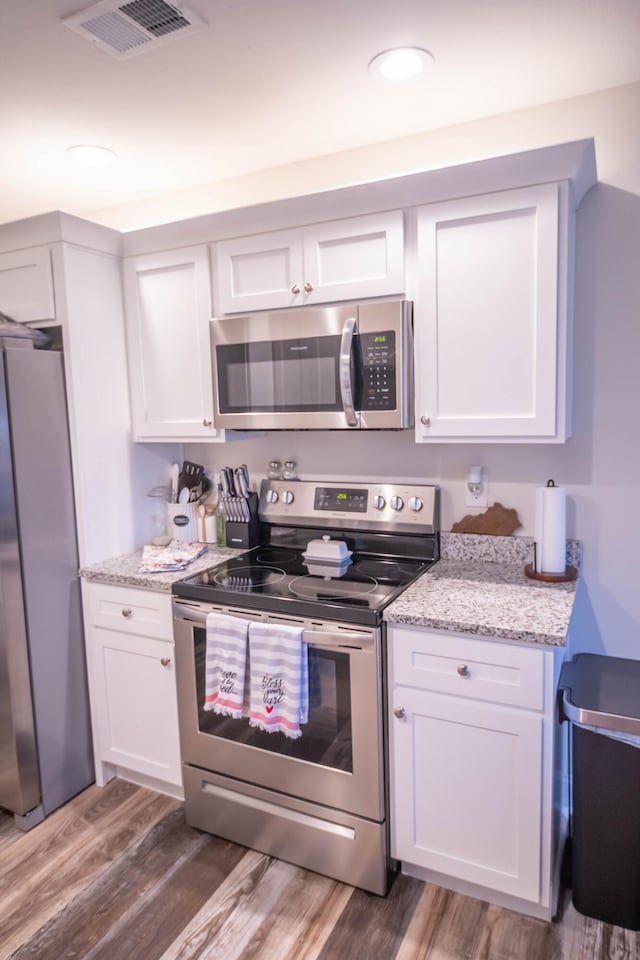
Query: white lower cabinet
x,y
130,657
475,766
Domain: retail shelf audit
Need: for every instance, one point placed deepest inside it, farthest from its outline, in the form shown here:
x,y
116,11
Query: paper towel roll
x,y
551,529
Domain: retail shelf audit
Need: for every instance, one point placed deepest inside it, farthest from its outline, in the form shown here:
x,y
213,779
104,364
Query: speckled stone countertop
x,y
479,587
123,571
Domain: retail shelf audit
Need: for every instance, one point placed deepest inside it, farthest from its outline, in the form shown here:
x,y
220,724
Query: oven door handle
x,y
320,638
346,387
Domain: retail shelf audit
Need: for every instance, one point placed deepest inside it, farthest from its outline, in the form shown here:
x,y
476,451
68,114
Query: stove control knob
x,y
415,504
287,496
396,503
272,496
379,501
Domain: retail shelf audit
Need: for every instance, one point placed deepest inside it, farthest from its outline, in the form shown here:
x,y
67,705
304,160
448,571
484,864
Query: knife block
x,y
244,535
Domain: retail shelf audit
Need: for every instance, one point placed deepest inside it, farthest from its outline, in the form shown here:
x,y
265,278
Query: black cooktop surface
x,y
275,578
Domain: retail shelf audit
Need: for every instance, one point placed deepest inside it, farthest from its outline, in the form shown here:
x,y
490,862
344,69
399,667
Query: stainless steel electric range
x,y
320,800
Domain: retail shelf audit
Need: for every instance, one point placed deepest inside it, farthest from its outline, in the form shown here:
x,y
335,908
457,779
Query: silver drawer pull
x,y
165,661
463,670
127,612
398,712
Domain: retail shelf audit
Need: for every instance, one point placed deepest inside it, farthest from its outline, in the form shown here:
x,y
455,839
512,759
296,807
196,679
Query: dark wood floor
x,y
117,875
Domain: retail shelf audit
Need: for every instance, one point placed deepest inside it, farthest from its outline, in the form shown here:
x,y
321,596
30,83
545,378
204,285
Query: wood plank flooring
x,y
117,875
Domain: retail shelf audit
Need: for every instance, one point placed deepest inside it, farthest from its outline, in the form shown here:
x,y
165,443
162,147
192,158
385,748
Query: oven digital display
x,y
346,499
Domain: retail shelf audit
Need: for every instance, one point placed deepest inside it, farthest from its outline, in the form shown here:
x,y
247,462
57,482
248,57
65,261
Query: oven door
x,y
337,762
270,375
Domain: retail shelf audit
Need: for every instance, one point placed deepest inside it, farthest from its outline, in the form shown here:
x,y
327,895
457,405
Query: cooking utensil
x,y
191,474
173,483
184,495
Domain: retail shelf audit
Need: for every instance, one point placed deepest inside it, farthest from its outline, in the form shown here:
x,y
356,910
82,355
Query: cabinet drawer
x,y
129,610
468,667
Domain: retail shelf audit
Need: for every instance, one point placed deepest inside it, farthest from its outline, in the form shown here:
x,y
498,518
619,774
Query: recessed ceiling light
x,y
401,63
89,155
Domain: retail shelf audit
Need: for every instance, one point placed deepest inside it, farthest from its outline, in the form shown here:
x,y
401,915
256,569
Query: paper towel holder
x,y
568,574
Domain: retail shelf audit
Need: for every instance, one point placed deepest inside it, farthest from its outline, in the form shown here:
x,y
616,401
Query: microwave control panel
x,y
378,353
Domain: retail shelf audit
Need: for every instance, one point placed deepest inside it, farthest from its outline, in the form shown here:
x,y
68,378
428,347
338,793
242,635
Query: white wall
x,y
600,465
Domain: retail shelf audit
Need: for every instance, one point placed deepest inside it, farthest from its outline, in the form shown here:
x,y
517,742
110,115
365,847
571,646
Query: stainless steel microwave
x,y
347,366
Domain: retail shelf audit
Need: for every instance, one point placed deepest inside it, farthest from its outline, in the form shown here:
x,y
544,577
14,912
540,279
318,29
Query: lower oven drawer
x,y
330,842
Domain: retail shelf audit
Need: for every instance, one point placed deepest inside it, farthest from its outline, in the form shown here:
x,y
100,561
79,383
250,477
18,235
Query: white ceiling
x,y
270,82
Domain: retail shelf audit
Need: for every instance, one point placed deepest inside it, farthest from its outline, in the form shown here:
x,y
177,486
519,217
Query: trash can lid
x,y
602,691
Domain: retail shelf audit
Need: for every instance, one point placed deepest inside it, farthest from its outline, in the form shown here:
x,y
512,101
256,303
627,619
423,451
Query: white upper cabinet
x,y
26,285
493,317
340,260
168,308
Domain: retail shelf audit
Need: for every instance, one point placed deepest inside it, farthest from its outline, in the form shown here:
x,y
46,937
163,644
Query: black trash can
x,y
604,693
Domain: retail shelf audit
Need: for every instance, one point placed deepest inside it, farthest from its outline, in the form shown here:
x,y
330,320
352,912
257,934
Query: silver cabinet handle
x,y
346,389
295,288
127,612
165,661
308,287
425,420
398,712
463,670
207,423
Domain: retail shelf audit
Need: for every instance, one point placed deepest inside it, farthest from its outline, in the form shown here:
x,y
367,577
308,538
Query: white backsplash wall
x,y
512,474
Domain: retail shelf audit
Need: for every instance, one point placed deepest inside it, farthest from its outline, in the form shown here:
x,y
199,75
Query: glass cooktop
x,y
278,579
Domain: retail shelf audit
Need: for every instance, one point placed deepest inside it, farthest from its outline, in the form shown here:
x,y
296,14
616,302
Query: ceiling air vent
x,y
127,29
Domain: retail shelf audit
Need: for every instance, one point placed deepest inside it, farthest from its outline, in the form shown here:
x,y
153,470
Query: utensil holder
x,y
243,535
182,522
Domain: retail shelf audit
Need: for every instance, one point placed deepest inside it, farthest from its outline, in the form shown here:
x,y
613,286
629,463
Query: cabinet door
x,y
134,708
487,318
466,790
26,285
168,309
361,257
340,260
259,273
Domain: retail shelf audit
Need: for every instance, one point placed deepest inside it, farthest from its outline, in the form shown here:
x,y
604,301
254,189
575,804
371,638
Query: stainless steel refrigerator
x,y
45,735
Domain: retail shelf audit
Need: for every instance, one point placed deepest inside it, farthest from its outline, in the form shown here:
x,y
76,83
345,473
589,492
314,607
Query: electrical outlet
x,y
479,498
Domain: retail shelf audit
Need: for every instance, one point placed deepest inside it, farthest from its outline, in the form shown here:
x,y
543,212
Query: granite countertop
x,y
123,571
479,586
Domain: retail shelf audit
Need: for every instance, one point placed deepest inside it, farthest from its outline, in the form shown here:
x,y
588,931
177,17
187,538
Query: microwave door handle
x,y
346,387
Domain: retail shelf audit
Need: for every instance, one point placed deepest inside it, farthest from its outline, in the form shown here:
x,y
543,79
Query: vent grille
x,y
157,17
126,29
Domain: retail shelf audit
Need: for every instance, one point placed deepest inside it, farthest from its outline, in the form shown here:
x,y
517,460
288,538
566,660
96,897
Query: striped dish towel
x,y
225,664
278,679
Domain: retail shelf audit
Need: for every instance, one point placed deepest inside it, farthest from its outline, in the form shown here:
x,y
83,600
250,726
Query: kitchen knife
x,y
242,489
226,491
233,502
247,479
